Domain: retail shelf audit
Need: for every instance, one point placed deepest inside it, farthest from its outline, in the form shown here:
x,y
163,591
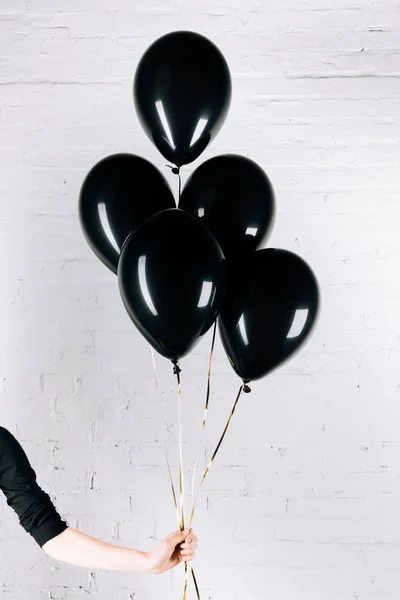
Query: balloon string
x,y
179,186
177,171
188,566
180,515
196,462
181,511
181,474
153,358
196,587
173,490
243,388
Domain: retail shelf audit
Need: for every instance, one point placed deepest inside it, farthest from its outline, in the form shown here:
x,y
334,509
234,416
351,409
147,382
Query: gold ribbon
x,y
205,415
242,387
153,359
181,527
180,513
173,491
180,510
181,474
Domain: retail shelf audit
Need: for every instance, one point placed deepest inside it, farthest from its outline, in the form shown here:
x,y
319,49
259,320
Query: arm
x,y
76,548
38,516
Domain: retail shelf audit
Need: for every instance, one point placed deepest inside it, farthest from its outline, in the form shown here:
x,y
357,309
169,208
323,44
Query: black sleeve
x,y
36,512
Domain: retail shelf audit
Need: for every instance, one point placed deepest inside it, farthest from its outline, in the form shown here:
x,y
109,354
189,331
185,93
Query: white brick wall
x,y
303,501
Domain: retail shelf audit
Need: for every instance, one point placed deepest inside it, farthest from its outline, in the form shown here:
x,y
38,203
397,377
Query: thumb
x,y
178,537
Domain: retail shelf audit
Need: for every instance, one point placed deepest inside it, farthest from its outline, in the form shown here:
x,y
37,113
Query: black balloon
x,y
271,307
182,93
119,193
234,198
172,281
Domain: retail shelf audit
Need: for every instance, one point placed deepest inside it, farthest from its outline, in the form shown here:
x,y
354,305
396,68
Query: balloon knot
x,y
175,170
246,388
177,368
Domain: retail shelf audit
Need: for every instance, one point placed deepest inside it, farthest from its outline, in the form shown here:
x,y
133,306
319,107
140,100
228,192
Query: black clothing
x,y
33,506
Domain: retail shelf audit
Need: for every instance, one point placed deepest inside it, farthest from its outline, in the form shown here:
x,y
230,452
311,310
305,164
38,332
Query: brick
x,y
302,499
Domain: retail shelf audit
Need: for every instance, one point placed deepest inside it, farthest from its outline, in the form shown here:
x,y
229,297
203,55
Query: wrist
x,y
152,566
145,563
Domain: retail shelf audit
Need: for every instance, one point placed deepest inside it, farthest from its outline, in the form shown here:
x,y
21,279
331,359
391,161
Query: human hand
x,y
178,547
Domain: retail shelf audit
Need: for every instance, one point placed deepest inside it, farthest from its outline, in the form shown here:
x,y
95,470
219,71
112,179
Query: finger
x,y
182,558
193,547
188,541
177,536
189,545
191,539
188,558
185,532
